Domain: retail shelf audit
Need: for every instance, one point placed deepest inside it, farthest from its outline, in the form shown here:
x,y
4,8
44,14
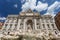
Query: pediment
x,y
29,11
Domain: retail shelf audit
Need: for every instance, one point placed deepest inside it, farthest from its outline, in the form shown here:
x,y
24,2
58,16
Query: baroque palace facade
x,y
38,27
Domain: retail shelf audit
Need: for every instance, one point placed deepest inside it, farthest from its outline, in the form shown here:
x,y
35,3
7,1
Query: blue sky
x,y
15,6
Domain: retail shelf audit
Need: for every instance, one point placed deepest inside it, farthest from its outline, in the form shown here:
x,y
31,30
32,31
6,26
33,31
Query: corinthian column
x,y
24,24
35,24
18,26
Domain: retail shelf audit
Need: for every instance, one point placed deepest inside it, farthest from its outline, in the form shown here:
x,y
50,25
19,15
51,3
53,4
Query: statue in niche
x,y
29,24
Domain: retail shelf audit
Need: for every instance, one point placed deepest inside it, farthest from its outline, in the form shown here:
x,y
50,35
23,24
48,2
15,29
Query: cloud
x,y
15,5
51,8
31,4
58,6
41,6
2,18
22,1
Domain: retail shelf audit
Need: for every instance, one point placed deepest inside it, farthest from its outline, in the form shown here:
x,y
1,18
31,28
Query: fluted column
x,y
8,27
46,27
35,24
50,25
24,24
13,26
3,27
18,26
41,24
4,24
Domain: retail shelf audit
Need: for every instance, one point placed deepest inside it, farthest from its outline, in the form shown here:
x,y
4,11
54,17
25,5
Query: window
x,y
48,26
52,25
15,27
10,18
43,26
10,24
15,24
21,27
37,26
10,27
5,26
15,21
21,24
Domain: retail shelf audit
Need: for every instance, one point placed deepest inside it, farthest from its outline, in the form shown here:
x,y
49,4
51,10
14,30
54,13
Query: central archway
x,y
30,24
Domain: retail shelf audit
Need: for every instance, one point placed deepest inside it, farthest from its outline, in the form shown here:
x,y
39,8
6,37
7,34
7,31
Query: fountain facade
x,y
31,25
